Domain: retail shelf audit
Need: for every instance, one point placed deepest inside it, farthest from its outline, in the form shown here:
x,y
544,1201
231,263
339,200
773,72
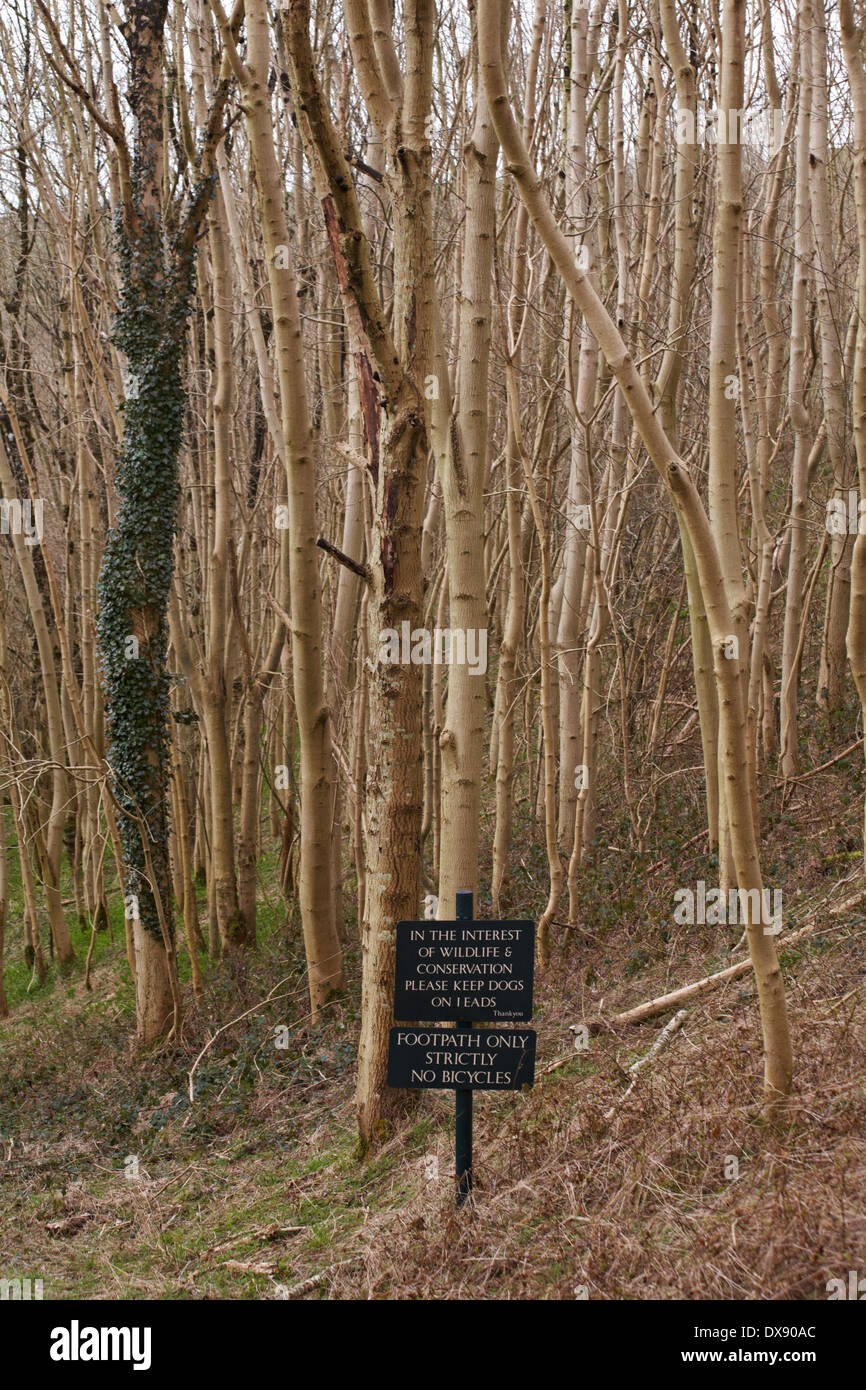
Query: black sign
x,y
464,970
454,1059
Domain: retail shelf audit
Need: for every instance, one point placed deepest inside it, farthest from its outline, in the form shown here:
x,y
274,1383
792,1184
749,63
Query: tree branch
x,y
361,570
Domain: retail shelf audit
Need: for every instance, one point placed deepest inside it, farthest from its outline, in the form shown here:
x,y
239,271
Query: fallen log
x,y
671,1028
653,1007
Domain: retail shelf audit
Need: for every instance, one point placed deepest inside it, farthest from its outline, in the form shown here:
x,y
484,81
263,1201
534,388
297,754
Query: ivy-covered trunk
x,y
133,597
156,250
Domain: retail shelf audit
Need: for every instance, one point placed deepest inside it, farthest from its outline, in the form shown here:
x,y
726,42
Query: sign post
x,y
463,1095
467,971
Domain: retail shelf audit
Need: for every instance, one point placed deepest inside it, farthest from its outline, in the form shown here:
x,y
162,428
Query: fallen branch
x,y
653,1007
672,1027
266,1233
847,905
307,1285
298,1290
269,998
789,781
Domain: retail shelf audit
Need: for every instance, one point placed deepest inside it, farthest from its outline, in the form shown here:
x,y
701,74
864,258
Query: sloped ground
x,y
252,1189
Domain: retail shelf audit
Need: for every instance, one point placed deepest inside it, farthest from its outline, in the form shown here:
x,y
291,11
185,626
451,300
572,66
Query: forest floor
x,y
117,1184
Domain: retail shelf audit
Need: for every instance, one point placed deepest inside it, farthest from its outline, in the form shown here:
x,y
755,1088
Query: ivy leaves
x,y
137,567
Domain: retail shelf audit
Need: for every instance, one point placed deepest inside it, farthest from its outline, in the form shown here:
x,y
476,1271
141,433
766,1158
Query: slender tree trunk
x,y
461,740
852,45
777,1047
322,944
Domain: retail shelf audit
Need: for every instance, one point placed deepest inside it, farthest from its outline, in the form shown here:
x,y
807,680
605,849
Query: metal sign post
x,y
463,1096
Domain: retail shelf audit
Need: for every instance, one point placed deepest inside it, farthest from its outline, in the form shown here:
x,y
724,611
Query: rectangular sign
x,y
487,1059
464,970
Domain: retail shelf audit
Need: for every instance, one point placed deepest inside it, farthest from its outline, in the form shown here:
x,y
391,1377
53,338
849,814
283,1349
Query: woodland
x,y
432,444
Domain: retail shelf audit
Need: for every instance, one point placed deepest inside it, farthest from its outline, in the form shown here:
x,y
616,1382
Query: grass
x,y
253,1189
